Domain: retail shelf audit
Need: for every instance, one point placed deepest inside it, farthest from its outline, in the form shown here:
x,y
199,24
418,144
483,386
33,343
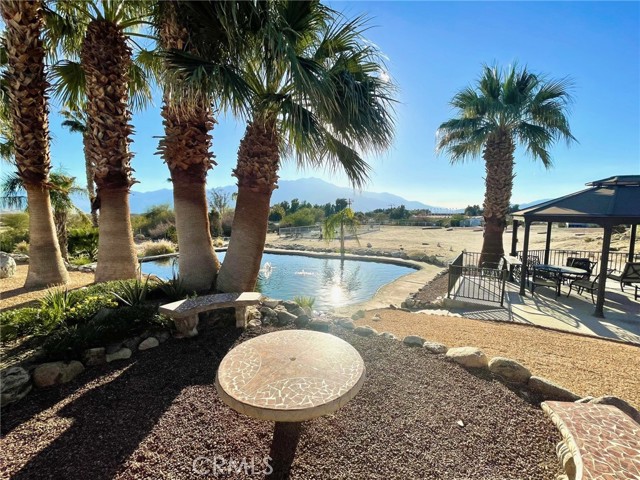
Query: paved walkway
x,y
572,314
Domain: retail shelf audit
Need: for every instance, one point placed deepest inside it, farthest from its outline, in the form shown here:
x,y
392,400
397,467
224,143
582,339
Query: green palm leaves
x,y
524,105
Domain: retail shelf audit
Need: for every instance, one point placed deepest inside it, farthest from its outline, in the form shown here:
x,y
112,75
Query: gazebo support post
x,y
514,238
632,242
547,243
525,254
604,263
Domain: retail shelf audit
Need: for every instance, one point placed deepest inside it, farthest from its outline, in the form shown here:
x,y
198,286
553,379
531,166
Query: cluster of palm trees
x,y
308,84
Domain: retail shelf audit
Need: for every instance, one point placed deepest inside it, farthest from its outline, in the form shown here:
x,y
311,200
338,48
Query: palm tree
x,y
61,189
337,223
318,95
27,84
106,61
76,122
505,108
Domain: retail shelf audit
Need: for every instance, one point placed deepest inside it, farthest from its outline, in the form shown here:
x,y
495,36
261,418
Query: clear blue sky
x,y
433,50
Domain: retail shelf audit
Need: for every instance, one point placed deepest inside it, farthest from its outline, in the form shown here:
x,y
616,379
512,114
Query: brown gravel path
x,y
587,366
13,294
153,415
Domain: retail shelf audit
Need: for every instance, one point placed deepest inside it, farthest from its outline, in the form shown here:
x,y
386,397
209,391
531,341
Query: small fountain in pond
x,y
302,272
266,270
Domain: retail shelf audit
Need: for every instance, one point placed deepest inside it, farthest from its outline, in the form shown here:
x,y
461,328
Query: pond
x,y
331,281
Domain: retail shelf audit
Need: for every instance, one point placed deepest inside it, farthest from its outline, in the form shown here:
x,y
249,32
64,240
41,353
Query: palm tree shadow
x,y
112,419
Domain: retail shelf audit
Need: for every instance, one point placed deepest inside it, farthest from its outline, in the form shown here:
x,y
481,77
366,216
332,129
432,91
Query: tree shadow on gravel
x,y
111,420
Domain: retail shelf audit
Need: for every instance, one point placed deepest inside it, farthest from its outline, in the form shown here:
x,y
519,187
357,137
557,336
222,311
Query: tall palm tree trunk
x,y
185,149
116,251
498,156
60,221
258,162
198,264
91,187
106,58
45,267
27,84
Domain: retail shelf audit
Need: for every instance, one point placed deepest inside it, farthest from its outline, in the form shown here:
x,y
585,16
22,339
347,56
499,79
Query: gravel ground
x,y
585,365
151,416
13,294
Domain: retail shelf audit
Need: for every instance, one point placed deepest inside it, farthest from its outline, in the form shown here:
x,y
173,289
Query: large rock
x,y
94,356
54,373
121,354
148,343
319,324
434,347
550,391
510,370
270,302
388,336
619,404
365,331
293,308
7,266
470,357
413,341
283,317
16,383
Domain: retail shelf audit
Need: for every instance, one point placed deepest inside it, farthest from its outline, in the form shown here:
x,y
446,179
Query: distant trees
x,y
473,210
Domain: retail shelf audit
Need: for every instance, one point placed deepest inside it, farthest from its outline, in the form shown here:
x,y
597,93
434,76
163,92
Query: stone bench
x,y
185,312
598,441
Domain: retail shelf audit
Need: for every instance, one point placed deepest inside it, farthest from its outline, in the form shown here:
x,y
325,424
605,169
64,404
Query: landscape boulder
x,y
510,370
7,266
388,336
413,341
620,405
54,373
365,331
357,315
270,302
121,354
148,343
94,356
16,383
550,391
470,357
283,317
434,347
319,324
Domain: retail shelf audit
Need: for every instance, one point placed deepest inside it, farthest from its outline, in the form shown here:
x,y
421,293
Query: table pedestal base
x,y
283,448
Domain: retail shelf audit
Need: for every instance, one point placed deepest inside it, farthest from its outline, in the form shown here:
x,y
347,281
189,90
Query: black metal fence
x,y
468,280
559,257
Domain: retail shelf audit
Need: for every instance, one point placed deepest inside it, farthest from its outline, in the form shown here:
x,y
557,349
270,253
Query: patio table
x,y
563,270
289,377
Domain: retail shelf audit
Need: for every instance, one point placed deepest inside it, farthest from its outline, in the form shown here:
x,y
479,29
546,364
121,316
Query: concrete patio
x,y
572,314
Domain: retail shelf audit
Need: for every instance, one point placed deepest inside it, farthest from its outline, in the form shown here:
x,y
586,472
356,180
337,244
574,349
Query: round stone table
x,y
288,377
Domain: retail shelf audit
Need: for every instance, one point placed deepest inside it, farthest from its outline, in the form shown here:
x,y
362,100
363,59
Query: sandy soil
x,y
449,243
587,366
12,293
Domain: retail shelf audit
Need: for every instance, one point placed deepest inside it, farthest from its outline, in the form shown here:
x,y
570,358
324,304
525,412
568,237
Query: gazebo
x,y
608,202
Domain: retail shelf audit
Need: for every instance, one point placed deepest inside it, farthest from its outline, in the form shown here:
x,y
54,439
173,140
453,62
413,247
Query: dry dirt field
x,y
446,244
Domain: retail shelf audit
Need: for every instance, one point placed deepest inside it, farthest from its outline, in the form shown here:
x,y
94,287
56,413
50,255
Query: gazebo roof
x,y
610,201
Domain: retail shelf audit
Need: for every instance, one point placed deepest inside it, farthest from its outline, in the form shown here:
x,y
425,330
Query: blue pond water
x,y
333,282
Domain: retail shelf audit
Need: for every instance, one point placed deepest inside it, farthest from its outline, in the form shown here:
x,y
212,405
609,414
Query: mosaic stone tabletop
x,y
290,376
604,442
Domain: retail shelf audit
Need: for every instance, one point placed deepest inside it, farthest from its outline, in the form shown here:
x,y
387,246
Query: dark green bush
x,y
82,241
69,342
11,237
27,321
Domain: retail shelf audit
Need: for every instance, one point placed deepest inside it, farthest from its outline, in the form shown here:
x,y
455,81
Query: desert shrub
x,y
160,231
226,222
86,308
26,321
70,341
302,218
174,289
304,301
16,221
80,260
132,293
161,247
10,237
215,223
218,242
21,247
83,241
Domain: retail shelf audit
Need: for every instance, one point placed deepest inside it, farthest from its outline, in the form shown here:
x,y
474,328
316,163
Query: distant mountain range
x,y
313,190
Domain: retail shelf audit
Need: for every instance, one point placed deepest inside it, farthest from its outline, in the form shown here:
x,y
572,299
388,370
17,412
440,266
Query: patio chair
x,y
532,261
584,264
585,284
630,274
546,278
